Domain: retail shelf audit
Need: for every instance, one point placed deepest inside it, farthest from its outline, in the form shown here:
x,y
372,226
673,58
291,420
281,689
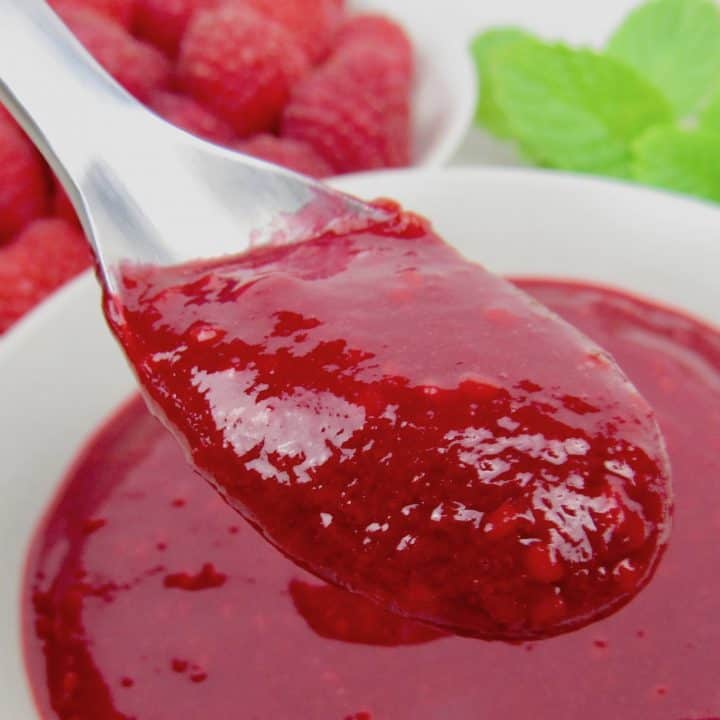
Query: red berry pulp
x,y
408,426
272,641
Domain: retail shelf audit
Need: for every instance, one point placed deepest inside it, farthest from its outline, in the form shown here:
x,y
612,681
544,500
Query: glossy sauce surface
x,y
409,426
148,599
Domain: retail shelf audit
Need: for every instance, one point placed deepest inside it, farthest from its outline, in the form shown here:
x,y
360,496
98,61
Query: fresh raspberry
x,y
45,255
163,22
62,207
138,67
354,111
379,33
121,11
24,187
241,66
313,23
184,112
292,154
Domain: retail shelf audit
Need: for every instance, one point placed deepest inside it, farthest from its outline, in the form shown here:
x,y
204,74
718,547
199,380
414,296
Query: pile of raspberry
x,y
300,83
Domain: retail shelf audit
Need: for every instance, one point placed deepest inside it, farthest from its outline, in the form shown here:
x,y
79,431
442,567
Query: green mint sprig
x,y
646,109
687,161
489,113
675,45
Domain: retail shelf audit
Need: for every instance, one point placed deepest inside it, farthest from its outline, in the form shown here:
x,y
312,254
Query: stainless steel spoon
x,y
145,191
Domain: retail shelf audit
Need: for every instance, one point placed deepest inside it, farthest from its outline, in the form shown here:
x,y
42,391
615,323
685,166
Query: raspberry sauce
x,y
406,425
146,598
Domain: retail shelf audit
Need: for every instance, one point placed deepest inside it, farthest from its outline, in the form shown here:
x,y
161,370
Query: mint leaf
x,y
675,44
710,118
574,109
483,47
680,160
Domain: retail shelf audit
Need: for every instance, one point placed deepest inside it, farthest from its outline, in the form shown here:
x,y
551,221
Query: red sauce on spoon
x,y
407,426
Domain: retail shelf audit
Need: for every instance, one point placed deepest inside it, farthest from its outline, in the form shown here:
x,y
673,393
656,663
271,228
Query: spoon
x,y
397,420
129,173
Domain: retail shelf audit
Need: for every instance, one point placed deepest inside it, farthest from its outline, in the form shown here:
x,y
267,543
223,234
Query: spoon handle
x,y
85,125
60,96
145,191
122,166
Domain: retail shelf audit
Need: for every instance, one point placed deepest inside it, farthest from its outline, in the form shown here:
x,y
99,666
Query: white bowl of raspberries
x,y
324,87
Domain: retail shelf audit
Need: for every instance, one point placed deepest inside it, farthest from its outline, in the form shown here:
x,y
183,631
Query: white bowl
x,y
446,86
61,373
